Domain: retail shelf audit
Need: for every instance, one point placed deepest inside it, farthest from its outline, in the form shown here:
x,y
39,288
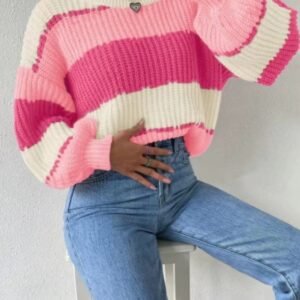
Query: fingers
x,y
139,178
157,164
151,172
155,150
135,129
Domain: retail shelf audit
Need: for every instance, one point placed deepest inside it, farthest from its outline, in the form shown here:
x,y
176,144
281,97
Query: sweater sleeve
x,y
59,148
253,39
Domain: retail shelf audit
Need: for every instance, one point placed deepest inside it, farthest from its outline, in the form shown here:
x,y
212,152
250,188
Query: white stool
x,y
175,257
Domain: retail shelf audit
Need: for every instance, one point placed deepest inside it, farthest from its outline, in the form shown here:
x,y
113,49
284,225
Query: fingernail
x,y
166,180
170,152
141,121
172,170
152,187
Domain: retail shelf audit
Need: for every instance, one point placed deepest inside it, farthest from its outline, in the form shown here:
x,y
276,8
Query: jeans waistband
x,y
171,143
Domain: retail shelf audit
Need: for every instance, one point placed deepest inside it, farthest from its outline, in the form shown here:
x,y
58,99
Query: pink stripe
x,y
169,129
52,23
227,26
71,164
282,4
56,176
197,136
252,33
32,119
190,61
59,170
79,33
197,139
285,54
31,86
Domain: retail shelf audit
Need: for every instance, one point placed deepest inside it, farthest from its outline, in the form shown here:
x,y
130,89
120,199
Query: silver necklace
x,y
135,6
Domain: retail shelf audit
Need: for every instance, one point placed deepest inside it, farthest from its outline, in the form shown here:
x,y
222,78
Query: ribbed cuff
x,y
256,42
227,25
98,153
286,50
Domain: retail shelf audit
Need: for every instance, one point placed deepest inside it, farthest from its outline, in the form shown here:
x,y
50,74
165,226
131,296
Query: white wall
x,y
255,156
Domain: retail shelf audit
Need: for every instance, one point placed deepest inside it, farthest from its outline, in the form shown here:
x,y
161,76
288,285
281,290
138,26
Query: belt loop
x,y
173,145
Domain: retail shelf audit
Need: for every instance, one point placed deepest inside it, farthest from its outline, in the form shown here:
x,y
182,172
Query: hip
x,y
110,189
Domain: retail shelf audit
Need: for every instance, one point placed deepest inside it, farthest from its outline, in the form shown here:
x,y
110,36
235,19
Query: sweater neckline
x,y
124,3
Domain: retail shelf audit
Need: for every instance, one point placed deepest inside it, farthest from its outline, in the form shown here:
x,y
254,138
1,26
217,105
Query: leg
x,y
115,260
110,238
241,235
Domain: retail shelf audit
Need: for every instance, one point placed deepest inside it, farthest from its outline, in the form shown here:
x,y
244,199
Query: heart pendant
x,y
136,6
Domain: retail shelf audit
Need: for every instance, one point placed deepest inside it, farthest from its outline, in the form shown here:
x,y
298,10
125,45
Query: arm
x,y
253,39
57,147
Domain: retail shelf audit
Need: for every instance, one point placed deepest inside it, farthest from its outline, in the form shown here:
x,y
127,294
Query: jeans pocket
x,y
98,175
69,198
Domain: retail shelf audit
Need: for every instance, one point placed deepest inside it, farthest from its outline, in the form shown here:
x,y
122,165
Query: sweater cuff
x,y
227,25
253,39
98,153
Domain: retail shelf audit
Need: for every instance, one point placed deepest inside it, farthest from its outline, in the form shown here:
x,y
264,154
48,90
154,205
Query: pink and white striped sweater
x,y
90,68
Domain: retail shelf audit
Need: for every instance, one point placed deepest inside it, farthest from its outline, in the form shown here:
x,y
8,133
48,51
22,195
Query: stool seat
x,y
166,246
175,258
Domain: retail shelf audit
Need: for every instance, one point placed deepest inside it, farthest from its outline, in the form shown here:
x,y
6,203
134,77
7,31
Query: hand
x,y
127,157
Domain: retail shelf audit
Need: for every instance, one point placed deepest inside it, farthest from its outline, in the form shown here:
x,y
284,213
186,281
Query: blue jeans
x,y
112,222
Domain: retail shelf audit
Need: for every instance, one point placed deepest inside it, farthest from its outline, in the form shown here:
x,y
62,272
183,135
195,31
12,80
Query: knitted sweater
x,y
90,68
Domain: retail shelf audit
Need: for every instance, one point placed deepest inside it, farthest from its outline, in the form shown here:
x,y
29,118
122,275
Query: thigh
x,y
115,258
111,240
241,235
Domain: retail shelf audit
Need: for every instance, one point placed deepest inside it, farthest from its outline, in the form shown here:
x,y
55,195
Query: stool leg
x,y
81,290
170,280
182,277
178,280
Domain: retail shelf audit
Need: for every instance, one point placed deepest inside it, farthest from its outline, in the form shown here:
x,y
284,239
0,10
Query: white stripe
x,y
40,158
168,105
270,37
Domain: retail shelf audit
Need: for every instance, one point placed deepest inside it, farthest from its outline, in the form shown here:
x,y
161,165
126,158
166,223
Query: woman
x,y
89,71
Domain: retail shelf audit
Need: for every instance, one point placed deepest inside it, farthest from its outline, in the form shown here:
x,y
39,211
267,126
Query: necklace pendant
x,y
135,6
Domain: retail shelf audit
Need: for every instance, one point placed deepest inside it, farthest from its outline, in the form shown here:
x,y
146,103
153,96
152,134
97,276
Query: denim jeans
x,y
112,222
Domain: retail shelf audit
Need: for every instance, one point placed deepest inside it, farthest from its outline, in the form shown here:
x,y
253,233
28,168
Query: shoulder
x,y
45,13
37,28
